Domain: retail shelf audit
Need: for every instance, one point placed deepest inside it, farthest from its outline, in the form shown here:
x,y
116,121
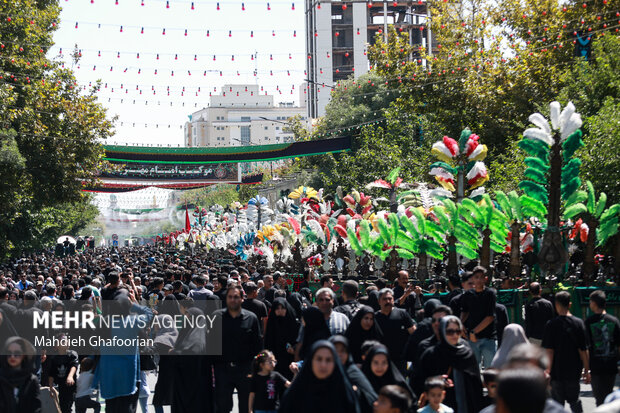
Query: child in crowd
x,y
267,385
84,391
489,378
434,393
392,399
63,368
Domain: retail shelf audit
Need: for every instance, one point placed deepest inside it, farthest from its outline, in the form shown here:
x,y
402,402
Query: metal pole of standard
x,y
385,24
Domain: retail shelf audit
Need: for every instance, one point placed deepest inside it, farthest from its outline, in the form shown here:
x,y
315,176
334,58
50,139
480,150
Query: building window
x,y
277,128
245,135
266,127
245,119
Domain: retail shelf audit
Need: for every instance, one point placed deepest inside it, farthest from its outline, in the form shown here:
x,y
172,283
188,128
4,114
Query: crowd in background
x,y
385,348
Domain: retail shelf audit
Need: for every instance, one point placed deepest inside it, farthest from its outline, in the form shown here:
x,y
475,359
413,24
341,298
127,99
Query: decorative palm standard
x,y
552,174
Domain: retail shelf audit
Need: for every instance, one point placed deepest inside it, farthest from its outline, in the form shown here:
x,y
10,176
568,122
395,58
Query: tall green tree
x,y
50,130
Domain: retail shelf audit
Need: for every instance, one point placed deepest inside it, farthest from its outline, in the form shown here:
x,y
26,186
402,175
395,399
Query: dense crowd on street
x,y
382,346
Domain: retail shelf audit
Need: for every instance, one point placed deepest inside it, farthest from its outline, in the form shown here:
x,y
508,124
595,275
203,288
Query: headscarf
x,y
430,306
366,394
294,299
391,376
17,377
167,334
306,294
315,329
357,335
513,336
280,330
191,341
456,354
170,305
373,300
309,394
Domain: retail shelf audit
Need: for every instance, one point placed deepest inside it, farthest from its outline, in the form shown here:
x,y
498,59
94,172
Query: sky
x,y
152,108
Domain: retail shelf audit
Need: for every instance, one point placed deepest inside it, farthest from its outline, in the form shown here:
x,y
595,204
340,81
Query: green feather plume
x,y
591,197
402,253
577,196
394,226
534,190
571,144
393,175
466,252
600,205
569,188
515,202
607,230
384,231
535,175
570,170
445,166
574,210
365,234
504,203
355,245
536,148
465,134
533,207
537,163
409,226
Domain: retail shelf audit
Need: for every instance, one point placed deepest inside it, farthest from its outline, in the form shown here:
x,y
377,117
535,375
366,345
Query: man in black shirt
x,y
565,341
396,325
468,283
350,305
240,343
478,316
604,338
256,306
406,295
537,312
454,285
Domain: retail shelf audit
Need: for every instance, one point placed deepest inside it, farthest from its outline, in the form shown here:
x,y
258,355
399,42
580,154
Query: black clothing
x,y
412,302
501,321
267,390
394,327
537,313
228,377
391,376
357,335
365,393
455,304
459,363
258,308
349,308
567,391
565,335
280,332
423,331
307,394
191,373
479,305
60,365
445,299
315,329
603,339
28,399
240,336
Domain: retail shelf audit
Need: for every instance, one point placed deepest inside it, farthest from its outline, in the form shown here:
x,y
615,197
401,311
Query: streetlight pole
x,y
385,24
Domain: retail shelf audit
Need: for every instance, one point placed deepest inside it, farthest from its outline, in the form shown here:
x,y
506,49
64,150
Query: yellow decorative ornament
x,y
441,156
480,156
303,192
445,184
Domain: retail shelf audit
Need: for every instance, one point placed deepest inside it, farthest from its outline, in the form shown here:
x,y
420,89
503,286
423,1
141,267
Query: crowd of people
x,y
384,348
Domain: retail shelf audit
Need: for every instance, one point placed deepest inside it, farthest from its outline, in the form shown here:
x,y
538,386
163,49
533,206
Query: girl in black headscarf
x,y
373,300
192,380
298,303
363,327
315,328
452,358
321,385
365,393
17,374
281,334
380,371
306,296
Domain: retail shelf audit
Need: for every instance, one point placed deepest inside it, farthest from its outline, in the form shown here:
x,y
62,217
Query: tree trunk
x,y
588,259
422,267
393,203
515,250
453,268
485,253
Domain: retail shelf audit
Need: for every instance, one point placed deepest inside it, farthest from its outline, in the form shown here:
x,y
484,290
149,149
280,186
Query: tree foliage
x,y
50,131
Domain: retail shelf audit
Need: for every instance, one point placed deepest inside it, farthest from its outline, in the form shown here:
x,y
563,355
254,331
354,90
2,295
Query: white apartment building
x,y
241,115
338,33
